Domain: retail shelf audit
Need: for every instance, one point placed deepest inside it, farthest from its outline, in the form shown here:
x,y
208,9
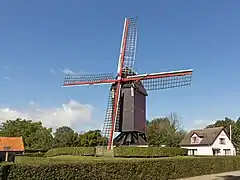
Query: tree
x,y
226,124
147,122
65,137
92,138
174,121
165,131
159,132
33,133
43,139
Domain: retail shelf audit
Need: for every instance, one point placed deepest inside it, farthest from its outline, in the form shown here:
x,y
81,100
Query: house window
x,y
192,152
227,152
216,151
222,141
195,140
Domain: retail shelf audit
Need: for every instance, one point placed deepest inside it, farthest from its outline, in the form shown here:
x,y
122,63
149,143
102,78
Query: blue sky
x,y
41,38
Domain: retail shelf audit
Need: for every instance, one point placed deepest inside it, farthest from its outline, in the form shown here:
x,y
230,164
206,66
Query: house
x,y
210,141
9,146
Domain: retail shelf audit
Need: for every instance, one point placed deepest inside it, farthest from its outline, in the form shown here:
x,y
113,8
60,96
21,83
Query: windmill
x,y
126,110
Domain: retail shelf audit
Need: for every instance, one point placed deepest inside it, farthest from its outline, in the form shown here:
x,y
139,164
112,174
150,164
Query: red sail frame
x,y
110,142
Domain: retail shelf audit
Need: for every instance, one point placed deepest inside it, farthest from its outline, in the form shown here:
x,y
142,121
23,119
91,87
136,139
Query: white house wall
x,y
228,144
201,150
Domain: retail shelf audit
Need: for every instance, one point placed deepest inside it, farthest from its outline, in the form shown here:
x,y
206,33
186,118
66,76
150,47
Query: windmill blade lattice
x,y
107,126
131,43
166,82
89,79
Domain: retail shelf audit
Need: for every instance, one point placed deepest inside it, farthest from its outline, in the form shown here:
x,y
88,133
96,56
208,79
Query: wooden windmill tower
x,y
126,111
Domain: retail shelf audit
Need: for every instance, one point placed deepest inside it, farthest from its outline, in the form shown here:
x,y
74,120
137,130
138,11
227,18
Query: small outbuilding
x,y
9,146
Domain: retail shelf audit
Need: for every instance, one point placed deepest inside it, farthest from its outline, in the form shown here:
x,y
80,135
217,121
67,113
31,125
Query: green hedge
x,y
148,169
127,151
35,150
36,154
76,151
148,152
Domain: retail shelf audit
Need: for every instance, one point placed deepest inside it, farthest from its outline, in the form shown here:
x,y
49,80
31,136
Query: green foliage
x,y
76,151
38,138
65,137
92,139
35,150
31,160
166,168
34,135
165,131
4,171
148,152
35,154
226,124
127,151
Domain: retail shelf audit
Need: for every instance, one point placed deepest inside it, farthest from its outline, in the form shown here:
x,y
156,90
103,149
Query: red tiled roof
x,y
11,144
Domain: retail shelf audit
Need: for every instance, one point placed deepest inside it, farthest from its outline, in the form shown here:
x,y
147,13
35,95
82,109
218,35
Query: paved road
x,y
234,175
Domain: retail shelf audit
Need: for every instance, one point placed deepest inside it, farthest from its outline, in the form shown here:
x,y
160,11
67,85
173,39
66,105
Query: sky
x,y
40,41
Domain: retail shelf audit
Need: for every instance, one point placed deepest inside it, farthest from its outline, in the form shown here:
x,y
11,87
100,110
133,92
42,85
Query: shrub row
x,y
35,154
148,152
127,151
35,150
75,151
161,168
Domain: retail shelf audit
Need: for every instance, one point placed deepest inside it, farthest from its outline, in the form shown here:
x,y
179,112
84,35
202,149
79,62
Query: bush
x,y
4,171
35,150
162,168
148,152
127,151
36,154
76,151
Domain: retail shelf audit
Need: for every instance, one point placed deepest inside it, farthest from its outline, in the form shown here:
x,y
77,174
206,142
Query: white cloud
x,y
202,123
68,71
71,114
52,70
32,102
7,78
5,67
71,72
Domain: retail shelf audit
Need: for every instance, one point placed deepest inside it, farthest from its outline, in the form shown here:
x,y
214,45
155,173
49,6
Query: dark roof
x,y
208,136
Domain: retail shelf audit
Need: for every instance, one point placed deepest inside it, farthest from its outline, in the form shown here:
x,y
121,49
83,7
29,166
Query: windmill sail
x,y
163,80
128,44
131,44
107,126
92,79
